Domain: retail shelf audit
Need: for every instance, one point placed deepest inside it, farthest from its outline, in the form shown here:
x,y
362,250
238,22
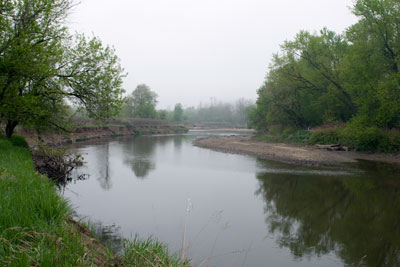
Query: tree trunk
x,y
10,127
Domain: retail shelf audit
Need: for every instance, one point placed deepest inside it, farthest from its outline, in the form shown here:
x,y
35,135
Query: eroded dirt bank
x,y
304,155
87,133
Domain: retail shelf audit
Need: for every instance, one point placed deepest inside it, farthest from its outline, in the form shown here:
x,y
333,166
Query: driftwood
x,y
333,147
57,164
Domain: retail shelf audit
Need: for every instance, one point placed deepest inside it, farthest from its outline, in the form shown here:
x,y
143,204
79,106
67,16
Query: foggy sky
x,y
189,51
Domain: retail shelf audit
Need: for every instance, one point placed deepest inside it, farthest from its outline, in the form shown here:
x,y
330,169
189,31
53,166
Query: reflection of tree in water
x,y
138,154
103,166
141,167
358,218
178,142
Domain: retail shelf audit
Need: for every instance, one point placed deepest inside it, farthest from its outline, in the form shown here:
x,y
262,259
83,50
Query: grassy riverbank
x,y
36,228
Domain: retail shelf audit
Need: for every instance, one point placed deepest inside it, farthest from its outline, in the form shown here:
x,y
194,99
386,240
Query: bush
x,y
372,139
288,135
326,136
362,138
359,137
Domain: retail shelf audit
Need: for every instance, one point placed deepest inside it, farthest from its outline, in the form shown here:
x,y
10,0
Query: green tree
x,y
329,77
178,112
162,114
304,87
372,64
142,103
43,67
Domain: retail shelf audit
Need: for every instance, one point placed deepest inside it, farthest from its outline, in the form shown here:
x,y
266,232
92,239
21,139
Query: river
x,y
237,210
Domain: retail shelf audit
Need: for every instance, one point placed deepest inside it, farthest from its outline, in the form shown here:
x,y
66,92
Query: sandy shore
x,y
304,155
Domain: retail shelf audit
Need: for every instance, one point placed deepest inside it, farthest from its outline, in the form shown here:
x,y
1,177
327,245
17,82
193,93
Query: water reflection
x,y
354,217
138,155
103,166
109,235
178,142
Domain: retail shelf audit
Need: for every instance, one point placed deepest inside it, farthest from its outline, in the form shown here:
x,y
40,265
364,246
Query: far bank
x,y
290,153
88,129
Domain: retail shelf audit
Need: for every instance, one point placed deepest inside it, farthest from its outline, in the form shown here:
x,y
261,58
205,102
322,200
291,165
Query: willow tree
x,y
43,67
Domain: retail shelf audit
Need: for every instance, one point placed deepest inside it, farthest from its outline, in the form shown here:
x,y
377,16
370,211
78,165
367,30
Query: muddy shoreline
x,y
289,153
90,133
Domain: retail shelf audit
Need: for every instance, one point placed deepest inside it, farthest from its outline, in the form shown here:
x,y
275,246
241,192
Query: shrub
x,y
359,137
326,136
372,139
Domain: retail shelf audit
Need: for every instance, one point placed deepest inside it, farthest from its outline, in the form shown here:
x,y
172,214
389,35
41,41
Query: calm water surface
x,y
243,211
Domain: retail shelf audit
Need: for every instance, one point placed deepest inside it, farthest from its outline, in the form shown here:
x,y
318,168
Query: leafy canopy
x,y
43,68
141,103
327,77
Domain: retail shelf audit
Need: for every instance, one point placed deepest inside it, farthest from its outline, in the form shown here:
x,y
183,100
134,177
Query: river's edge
x,y
289,153
89,133
100,253
41,225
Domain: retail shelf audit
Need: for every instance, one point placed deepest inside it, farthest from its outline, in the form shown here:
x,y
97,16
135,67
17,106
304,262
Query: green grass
x,y
149,252
33,215
35,227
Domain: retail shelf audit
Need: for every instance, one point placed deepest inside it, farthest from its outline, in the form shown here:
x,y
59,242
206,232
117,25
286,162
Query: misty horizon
x,y
191,52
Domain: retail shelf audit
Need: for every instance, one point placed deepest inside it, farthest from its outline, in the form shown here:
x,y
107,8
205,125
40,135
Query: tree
x,y
162,114
43,67
372,64
178,112
327,77
142,103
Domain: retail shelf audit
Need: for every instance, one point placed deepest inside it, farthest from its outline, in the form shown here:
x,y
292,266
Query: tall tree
x,y
353,78
142,103
178,112
42,67
372,64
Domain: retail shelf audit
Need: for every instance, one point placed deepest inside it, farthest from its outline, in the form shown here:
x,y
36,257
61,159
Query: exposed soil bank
x,y
304,155
87,133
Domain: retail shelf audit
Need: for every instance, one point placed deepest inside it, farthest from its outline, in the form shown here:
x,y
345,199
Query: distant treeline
x,y
219,113
143,101
326,77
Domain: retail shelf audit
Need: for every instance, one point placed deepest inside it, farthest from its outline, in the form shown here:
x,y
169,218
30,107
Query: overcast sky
x,y
189,51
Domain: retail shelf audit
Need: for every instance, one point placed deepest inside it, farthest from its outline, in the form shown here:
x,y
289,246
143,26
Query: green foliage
x,y
371,138
359,137
42,66
162,114
141,104
219,114
178,112
286,135
326,136
327,77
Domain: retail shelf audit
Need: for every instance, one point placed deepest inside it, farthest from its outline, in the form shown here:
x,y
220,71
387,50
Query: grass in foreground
x,y
35,224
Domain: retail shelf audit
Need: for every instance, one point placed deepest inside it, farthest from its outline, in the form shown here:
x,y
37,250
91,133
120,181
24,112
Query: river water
x,y
237,210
